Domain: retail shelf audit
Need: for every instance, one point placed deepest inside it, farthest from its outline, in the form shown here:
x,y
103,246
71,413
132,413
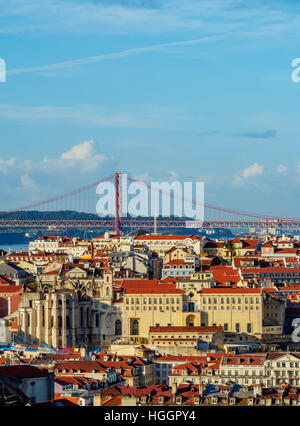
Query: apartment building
x,y
242,310
161,244
186,339
147,303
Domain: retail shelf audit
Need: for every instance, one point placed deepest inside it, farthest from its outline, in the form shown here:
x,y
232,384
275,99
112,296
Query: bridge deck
x,y
128,223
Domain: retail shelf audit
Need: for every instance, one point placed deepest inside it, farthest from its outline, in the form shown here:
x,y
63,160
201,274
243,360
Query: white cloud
x,y
28,183
281,168
144,177
82,151
83,156
253,170
5,165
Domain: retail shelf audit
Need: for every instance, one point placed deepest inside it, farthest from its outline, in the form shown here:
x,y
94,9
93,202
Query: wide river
x,y
14,247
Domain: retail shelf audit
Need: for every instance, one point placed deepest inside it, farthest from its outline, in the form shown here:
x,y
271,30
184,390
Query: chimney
x,y
174,388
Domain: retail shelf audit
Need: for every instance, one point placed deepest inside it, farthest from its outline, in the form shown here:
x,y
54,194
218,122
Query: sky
x,y
163,90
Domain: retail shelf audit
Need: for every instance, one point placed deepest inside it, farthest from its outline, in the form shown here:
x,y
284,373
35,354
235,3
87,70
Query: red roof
x,y
167,237
268,244
83,366
22,371
244,359
149,287
224,274
115,401
191,358
270,270
55,272
11,288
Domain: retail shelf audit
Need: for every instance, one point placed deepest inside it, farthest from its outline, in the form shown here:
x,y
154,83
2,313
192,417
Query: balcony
x,y
191,308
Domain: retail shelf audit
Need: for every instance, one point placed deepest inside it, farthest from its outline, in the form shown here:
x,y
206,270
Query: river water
x,y
14,247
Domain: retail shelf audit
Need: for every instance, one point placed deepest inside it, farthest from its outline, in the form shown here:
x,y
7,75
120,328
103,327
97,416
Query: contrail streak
x,y
110,56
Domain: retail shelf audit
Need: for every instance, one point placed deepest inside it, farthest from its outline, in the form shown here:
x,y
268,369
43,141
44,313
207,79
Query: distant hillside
x,y
51,215
67,215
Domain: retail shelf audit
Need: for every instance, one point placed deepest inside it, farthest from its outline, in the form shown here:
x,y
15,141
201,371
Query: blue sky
x,y
184,89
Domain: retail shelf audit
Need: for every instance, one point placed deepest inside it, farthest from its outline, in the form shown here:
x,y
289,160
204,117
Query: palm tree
x,y
230,247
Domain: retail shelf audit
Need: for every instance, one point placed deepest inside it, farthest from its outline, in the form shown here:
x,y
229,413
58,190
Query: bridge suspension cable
x,y
60,197
172,195
218,208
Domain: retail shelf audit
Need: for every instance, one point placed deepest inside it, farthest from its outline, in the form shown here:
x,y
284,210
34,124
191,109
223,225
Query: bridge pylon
x,y
118,203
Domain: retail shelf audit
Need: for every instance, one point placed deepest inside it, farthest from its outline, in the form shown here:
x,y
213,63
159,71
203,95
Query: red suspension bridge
x,y
80,208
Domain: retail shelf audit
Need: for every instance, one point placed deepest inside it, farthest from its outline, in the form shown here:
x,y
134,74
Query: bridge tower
x,y
118,202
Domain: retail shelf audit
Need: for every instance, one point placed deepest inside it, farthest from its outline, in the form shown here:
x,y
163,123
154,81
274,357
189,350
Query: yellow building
x,y
273,314
161,244
240,310
147,304
214,248
111,242
174,254
186,339
27,266
243,246
197,281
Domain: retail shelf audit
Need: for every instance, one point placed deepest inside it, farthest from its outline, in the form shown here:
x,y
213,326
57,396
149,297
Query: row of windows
x,y
241,372
179,343
281,275
176,337
284,373
233,300
167,242
179,267
288,364
164,374
190,286
163,366
237,327
222,308
149,308
150,300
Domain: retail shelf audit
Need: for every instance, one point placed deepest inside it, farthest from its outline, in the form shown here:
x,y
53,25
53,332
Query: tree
x,y
230,247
